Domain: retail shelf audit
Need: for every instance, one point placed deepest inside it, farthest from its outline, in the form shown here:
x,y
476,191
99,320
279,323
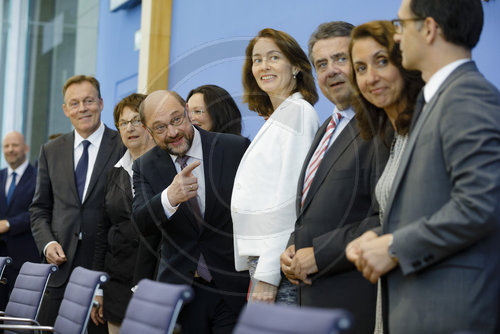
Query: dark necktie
x,y
81,169
202,268
12,187
419,105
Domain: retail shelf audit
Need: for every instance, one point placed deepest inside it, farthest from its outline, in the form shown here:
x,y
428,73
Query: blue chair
x,y
154,307
4,261
272,319
76,305
26,296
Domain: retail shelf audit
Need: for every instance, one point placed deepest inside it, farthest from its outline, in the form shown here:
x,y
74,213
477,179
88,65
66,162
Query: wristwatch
x,y
392,252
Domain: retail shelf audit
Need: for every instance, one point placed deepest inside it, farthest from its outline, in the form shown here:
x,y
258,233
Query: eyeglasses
x,y
87,102
134,122
399,23
175,122
198,112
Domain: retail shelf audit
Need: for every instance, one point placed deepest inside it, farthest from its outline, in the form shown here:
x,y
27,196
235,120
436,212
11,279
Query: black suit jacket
x,y
339,207
183,237
18,242
57,214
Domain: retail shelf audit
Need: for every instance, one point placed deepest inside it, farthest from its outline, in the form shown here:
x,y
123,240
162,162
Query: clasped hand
x,y
184,186
370,254
298,265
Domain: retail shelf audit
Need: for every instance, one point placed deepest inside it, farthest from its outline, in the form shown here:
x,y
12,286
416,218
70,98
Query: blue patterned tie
x,y
12,187
81,169
202,267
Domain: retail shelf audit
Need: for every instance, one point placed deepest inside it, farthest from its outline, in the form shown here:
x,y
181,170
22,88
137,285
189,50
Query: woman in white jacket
x,y
279,86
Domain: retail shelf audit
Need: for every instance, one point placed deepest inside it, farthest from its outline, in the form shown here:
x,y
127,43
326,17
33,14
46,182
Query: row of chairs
x,y
153,308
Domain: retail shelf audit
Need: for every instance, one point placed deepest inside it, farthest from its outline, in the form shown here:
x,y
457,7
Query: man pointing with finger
x,y
183,190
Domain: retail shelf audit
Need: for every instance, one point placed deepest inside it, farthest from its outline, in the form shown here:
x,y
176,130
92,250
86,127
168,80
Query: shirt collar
x,y
94,138
439,77
195,151
348,113
19,170
126,162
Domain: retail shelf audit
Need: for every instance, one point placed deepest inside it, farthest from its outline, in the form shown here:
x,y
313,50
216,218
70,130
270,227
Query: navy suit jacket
x,y
183,237
18,242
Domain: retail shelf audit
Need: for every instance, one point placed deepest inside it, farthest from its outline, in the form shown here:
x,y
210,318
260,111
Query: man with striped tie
x,y
335,197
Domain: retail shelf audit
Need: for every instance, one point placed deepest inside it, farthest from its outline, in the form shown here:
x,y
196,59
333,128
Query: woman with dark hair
x,y
117,239
213,109
278,85
385,96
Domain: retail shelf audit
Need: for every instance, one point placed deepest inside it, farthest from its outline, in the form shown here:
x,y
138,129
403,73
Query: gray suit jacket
x,y
339,207
57,214
444,212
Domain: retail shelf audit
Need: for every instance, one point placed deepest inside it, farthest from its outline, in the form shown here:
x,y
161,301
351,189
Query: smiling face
x,y
331,62
271,69
198,112
167,120
83,107
14,149
380,81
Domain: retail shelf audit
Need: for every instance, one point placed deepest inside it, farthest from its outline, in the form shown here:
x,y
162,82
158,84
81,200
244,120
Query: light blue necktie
x,y
11,188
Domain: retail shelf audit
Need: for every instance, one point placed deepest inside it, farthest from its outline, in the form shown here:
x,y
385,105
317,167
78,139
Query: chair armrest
x,y
28,327
31,321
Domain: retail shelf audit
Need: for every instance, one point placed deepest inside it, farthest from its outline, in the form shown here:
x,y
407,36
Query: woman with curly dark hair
x,y
385,96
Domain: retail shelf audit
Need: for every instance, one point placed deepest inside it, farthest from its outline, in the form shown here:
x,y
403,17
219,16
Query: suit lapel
x,y
319,135
103,155
212,165
3,181
68,162
27,175
417,128
338,147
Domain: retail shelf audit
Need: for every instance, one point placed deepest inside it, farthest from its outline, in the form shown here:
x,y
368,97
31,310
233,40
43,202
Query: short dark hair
x,y
170,92
133,101
371,120
225,115
256,98
81,78
327,30
460,20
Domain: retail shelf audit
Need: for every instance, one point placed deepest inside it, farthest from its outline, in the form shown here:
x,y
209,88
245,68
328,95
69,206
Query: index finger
x,y
189,168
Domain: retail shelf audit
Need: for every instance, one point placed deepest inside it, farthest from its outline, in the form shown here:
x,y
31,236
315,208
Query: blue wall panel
x,y
117,61
209,40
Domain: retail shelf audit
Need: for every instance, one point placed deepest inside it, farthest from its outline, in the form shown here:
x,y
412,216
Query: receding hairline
x,y
158,97
15,134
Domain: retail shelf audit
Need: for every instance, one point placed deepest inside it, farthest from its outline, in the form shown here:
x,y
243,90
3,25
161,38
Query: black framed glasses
x,y
176,121
399,23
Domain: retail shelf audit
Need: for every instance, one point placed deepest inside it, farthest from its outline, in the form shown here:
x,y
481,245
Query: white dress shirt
x,y
439,77
347,115
95,142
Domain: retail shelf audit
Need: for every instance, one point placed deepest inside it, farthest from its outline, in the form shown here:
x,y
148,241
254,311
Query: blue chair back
x,y
26,296
75,308
272,319
154,307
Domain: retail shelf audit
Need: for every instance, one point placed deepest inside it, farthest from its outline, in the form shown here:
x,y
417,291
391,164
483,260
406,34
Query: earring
x,y
294,75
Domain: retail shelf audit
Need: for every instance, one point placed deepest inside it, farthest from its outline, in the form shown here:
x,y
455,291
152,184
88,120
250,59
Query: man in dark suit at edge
x,y
17,185
437,249
69,195
183,188
336,193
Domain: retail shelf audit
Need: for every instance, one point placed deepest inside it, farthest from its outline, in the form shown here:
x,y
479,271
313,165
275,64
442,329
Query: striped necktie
x,y
319,154
202,268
